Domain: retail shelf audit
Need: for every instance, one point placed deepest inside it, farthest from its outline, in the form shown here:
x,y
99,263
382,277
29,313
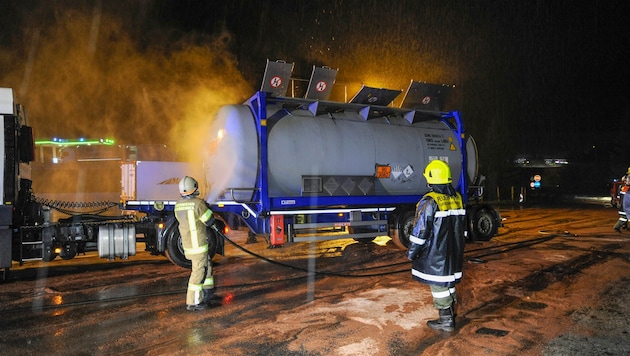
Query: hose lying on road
x,y
318,272
495,250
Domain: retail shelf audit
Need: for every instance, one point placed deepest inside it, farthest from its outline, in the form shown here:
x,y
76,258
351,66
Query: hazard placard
x,y
276,82
321,86
383,171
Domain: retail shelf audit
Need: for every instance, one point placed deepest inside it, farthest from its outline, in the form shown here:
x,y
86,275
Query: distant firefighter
x,y
623,217
626,204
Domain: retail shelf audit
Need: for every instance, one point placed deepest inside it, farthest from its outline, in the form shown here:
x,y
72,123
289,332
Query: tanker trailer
x,y
307,170
311,169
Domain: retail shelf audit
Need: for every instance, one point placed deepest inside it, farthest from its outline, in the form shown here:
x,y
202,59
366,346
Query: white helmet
x,y
188,186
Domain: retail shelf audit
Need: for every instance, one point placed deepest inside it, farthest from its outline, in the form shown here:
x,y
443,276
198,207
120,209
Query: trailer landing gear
x,y
4,275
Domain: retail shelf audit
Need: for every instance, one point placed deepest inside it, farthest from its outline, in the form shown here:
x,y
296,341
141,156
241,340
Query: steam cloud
x,y
83,71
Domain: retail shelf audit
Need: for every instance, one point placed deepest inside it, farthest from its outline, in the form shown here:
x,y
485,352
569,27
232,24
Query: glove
x,y
411,255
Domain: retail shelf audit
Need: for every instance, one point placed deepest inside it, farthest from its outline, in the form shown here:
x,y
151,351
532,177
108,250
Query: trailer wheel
x,y
175,250
483,225
68,251
404,227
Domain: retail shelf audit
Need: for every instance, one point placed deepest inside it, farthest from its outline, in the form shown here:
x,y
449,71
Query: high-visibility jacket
x,y
192,213
437,240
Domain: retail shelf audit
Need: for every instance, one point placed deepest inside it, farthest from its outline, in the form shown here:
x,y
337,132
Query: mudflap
x,y
218,228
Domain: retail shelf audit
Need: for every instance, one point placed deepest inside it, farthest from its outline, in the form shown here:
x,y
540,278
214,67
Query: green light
x,y
76,142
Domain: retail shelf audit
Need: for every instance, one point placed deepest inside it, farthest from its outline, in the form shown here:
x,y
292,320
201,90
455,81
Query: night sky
x,y
542,78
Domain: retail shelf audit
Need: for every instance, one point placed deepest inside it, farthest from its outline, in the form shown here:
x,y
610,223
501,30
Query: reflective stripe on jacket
x,y
192,214
437,239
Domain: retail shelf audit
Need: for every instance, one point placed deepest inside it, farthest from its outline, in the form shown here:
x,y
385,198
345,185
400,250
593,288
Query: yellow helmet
x,y
188,186
628,172
438,172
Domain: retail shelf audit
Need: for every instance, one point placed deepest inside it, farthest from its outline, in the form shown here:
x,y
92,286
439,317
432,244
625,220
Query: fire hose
x,y
254,254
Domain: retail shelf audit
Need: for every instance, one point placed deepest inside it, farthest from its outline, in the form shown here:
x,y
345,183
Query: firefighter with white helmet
x,y
194,216
437,241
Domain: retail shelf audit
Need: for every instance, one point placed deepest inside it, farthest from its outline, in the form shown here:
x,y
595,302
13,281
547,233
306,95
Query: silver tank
x,y
341,144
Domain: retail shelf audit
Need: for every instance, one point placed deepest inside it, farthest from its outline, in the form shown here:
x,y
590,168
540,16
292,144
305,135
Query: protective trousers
x,y
443,297
623,220
201,279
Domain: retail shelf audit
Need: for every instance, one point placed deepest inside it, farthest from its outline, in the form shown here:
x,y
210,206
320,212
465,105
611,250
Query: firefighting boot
x,y
197,307
446,321
618,225
208,295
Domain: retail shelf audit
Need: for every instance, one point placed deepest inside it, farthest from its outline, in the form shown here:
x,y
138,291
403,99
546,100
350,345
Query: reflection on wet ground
x,y
332,297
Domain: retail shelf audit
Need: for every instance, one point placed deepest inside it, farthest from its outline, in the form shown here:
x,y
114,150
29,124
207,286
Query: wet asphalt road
x,y
327,298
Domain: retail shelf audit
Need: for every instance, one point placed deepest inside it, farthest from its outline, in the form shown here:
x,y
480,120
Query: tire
x,y
403,228
68,251
175,251
483,225
48,253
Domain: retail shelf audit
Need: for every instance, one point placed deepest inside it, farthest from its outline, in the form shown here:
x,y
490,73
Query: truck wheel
x,y
48,253
483,225
175,250
404,227
68,251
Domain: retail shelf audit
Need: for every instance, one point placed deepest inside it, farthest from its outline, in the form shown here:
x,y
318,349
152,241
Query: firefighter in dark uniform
x,y
626,204
194,217
622,222
437,241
